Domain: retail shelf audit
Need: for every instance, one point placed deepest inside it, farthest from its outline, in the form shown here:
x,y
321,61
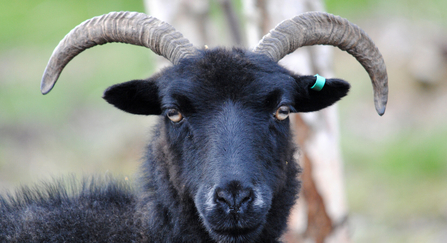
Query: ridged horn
x,y
125,27
314,28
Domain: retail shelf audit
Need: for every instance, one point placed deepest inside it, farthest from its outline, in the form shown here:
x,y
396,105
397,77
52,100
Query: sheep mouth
x,y
237,234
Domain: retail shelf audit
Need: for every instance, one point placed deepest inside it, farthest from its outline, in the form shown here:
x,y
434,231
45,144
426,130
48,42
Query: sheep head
x,y
224,135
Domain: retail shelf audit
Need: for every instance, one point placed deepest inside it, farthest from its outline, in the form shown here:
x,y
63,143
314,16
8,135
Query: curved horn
x,y
321,28
125,27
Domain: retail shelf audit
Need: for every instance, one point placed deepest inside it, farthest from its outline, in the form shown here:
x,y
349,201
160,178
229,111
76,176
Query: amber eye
x,y
174,115
282,113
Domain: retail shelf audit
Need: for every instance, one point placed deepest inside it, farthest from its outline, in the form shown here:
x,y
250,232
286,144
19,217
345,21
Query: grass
x,y
410,154
397,186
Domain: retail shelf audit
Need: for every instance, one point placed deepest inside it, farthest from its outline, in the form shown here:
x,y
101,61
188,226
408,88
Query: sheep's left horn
x,y
125,27
321,28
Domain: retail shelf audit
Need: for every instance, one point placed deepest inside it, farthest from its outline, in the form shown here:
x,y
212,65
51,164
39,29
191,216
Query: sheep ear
x,y
308,99
137,97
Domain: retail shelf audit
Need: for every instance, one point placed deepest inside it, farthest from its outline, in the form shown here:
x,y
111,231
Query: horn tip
x,y
381,96
380,108
47,84
45,89
380,111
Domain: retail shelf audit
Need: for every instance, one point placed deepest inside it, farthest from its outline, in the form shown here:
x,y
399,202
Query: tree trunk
x,y
320,214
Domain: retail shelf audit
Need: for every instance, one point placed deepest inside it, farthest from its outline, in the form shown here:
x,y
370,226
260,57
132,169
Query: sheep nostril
x,y
248,197
234,200
223,197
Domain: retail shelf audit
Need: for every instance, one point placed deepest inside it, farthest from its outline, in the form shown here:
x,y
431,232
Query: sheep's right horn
x,y
125,27
326,29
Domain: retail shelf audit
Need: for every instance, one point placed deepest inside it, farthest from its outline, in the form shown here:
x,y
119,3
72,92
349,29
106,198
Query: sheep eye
x,y
282,113
174,115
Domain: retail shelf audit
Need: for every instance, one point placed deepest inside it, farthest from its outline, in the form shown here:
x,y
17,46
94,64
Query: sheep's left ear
x,y
310,99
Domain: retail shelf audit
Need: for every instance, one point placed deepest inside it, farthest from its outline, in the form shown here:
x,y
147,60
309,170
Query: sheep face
x,y
226,136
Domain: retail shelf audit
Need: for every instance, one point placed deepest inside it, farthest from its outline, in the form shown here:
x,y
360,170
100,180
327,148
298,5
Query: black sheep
x,y
220,166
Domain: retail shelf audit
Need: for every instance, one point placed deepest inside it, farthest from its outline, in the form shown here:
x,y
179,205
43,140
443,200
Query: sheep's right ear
x,y
137,97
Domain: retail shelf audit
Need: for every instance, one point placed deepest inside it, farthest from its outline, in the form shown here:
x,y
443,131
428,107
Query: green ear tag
x,y
319,84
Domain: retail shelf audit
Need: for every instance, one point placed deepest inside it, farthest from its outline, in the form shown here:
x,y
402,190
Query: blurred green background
x,y
396,165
